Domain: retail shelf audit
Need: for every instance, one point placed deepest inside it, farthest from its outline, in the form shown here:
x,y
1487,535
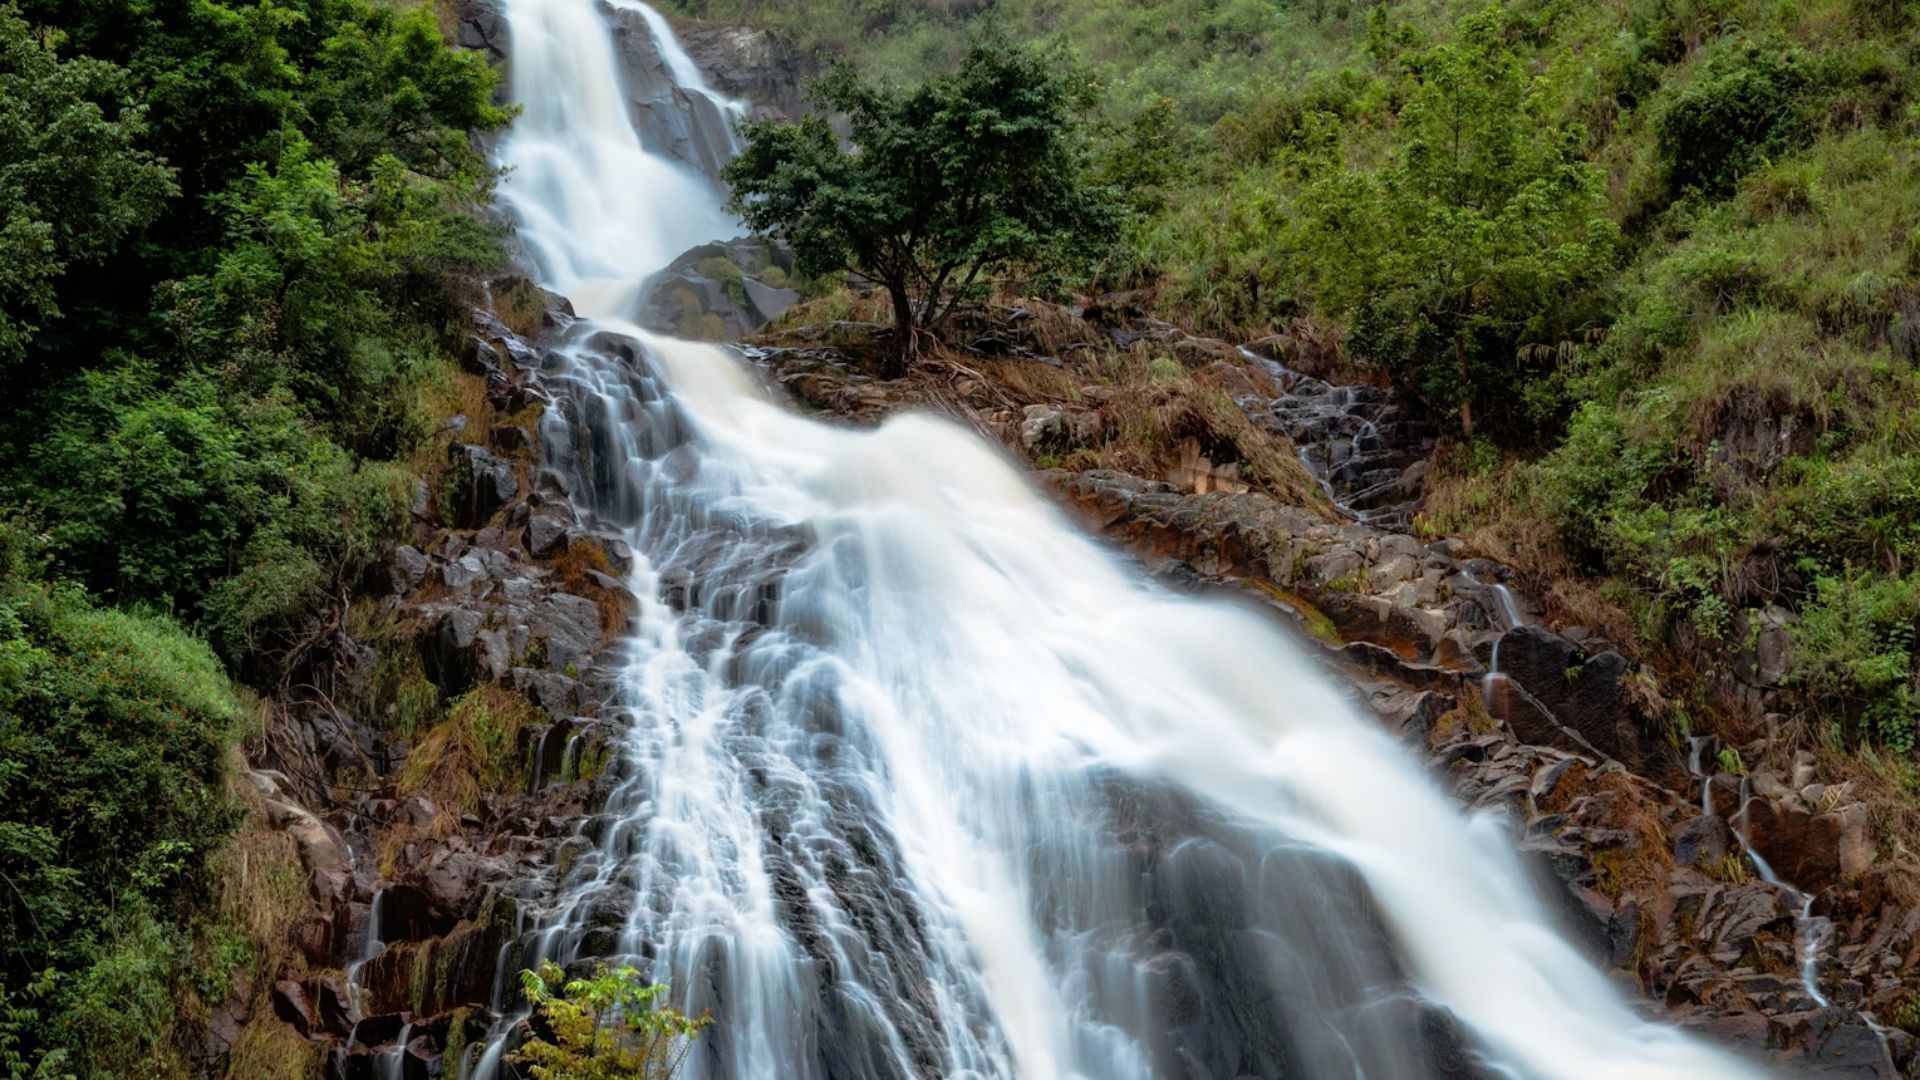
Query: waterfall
x,y
918,781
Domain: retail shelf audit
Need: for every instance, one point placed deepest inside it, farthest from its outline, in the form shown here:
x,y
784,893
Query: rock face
x,y
502,589
747,63
691,127
720,291
742,65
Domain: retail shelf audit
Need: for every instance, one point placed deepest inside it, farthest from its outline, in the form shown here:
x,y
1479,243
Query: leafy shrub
x,y
611,1026
1853,646
1743,110
113,736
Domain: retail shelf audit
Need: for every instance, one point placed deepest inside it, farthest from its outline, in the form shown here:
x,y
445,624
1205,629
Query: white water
x,y
922,781
575,162
686,74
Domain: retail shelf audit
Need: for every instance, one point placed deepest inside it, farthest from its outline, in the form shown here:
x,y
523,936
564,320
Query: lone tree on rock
x,y
941,187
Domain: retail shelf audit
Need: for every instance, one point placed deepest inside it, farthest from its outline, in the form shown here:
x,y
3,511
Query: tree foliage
x,y
1454,252
113,734
944,186
611,1026
230,237
74,179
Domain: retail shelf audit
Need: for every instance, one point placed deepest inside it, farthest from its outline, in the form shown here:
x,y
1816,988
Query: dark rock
x,y
1587,695
482,26
568,627
291,1004
479,484
1835,1043
717,280
546,535
1703,842
747,63
331,1009
1802,848
409,568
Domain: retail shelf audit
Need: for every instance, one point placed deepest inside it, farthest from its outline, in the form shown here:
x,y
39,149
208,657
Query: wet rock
x,y
717,282
1703,842
1587,695
478,485
331,1010
747,63
1803,848
1833,1042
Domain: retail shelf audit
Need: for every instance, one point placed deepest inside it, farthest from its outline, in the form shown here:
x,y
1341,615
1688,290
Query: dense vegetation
x,y
1656,260
230,236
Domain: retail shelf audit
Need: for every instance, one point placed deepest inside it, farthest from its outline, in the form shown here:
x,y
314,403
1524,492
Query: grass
x,y
474,750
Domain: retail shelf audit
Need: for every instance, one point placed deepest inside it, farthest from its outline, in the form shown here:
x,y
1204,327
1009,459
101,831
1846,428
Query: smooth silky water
x,y
920,782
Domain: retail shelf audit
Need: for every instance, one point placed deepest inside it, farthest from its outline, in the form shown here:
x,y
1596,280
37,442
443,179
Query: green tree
x,y
608,1027
944,186
1462,244
73,180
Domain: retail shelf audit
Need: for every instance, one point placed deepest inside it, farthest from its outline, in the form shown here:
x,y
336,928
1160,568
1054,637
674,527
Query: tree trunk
x,y
900,357
1466,387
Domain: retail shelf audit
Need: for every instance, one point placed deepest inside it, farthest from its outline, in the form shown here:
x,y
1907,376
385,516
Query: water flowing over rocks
x,y
1568,743
520,585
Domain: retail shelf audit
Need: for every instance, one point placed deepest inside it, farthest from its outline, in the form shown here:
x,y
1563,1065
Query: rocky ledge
x,y
1753,908
456,741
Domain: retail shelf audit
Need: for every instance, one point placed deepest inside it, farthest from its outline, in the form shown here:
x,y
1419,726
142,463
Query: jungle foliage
x,y
231,236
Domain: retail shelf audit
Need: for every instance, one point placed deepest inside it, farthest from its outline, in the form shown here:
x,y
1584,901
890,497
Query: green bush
x,y
1744,109
1853,647
611,1026
114,730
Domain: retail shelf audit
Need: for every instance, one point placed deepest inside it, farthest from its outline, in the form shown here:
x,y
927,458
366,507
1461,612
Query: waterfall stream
x,y
920,782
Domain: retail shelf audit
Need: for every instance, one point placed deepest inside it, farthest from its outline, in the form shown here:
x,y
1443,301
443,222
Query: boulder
x,y
712,290
478,485
567,626
1802,848
1588,695
1703,842
546,535
291,1004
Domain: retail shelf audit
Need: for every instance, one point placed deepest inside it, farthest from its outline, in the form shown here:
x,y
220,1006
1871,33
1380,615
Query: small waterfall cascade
x,y
917,781
1355,440
1810,931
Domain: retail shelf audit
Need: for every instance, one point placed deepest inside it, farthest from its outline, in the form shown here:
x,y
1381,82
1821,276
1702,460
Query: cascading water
x,y
920,782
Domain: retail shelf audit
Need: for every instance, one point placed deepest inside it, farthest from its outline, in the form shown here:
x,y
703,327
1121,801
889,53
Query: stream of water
x,y
920,782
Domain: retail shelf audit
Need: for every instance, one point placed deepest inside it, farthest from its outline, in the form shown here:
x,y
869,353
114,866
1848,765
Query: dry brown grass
x,y
476,749
260,884
1643,868
268,1047
575,566
521,306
